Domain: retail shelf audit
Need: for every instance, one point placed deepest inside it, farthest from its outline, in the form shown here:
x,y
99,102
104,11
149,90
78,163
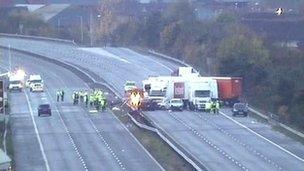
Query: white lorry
x,y
35,83
200,91
156,87
185,72
15,83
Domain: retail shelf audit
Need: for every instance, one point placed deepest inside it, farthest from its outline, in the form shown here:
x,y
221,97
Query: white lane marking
x,y
131,51
68,133
98,132
103,52
259,135
247,147
134,138
37,133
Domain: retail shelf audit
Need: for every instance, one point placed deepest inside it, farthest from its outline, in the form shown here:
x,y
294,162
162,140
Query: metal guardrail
x,y
38,38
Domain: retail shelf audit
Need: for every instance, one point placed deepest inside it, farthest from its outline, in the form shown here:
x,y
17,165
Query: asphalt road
x,y
217,141
72,138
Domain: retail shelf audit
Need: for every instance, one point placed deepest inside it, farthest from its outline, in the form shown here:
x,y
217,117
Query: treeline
x,y
273,75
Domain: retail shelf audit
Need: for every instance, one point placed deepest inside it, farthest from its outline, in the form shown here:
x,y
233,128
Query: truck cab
x,y
201,91
35,83
155,90
15,83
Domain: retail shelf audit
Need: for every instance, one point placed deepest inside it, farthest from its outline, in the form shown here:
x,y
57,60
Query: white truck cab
x,y
15,83
35,83
201,91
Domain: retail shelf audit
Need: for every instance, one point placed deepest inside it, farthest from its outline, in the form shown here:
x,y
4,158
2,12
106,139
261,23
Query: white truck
x,y
200,91
156,87
15,83
35,83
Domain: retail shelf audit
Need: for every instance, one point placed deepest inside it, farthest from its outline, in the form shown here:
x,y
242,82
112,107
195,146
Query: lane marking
x,y
246,146
37,133
98,132
102,52
206,140
138,54
67,131
259,135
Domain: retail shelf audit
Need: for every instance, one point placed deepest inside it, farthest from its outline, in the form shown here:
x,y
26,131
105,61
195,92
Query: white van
x,y
35,83
15,83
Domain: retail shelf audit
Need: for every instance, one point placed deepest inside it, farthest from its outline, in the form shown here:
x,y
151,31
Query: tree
x,y
244,56
179,11
114,14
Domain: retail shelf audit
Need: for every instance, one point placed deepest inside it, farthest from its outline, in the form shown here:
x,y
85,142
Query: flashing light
x,y
135,98
20,73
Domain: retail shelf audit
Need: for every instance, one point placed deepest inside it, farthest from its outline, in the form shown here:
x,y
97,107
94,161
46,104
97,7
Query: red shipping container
x,y
229,88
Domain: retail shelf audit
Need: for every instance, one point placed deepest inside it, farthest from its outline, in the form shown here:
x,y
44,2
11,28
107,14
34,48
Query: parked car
x,y
44,109
240,109
174,104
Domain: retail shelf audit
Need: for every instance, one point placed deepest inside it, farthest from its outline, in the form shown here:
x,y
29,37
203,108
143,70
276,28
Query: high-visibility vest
x,y
91,98
217,105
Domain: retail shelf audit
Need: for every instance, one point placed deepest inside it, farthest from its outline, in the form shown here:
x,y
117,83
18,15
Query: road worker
x,y
58,95
91,99
62,95
74,98
208,106
213,106
217,106
86,99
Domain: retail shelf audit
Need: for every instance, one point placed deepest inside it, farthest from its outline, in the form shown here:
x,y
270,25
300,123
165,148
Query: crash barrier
x,y
175,146
272,118
91,80
38,38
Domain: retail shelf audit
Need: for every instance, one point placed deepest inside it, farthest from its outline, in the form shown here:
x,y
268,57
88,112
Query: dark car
x,y
148,105
240,109
44,109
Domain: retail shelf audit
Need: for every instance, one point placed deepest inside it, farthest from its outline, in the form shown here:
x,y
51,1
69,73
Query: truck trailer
x,y
229,89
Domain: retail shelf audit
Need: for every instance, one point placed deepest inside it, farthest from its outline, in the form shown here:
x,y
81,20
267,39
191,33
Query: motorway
x,y
72,138
217,141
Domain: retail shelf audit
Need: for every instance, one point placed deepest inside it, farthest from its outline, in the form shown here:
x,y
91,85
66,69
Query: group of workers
x,y
96,99
80,96
213,106
60,95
